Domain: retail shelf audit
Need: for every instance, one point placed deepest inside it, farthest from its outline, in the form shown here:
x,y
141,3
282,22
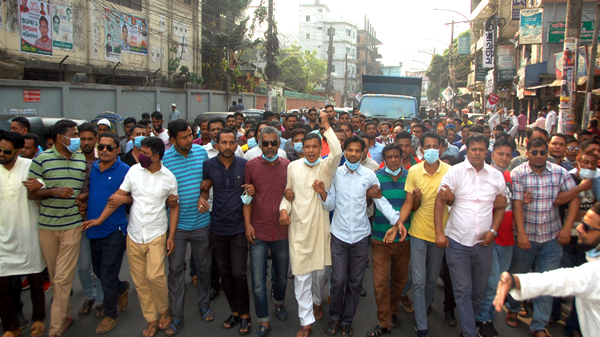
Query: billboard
x,y
62,25
530,31
35,27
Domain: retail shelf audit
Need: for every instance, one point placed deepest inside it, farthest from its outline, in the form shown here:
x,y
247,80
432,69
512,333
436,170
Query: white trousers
x,y
309,290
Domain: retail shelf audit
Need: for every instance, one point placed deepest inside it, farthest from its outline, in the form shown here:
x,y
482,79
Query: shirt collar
x,y
470,166
424,171
117,162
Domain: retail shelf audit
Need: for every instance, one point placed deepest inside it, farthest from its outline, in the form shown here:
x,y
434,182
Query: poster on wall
x,y
530,31
134,34
35,27
582,62
112,35
1,13
507,68
62,25
517,5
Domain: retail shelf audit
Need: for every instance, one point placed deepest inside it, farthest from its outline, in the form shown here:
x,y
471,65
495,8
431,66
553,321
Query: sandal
x,y
317,312
151,331
69,321
166,321
207,315
231,321
395,321
99,311
304,331
512,319
541,333
106,325
245,324
86,307
173,328
347,330
378,331
332,327
523,310
38,329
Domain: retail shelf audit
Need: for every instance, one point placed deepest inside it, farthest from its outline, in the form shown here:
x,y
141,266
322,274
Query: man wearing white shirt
x,y
158,130
150,184
471,189
551,119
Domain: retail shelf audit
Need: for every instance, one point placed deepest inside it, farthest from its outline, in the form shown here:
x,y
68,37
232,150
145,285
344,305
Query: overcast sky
x,y
403,26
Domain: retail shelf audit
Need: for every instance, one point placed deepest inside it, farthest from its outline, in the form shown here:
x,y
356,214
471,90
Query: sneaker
x,y
421,333
486,329
46,286
25,285
450,318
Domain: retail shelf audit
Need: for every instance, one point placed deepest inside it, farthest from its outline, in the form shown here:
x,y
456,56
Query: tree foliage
x,y
301,70
438,70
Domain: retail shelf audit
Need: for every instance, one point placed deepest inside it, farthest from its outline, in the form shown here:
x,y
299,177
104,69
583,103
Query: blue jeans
x,y
426,262
470,270
280,255
91,288
501,259
540,257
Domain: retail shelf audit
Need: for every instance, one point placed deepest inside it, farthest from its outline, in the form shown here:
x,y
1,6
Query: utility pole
x,y
329,64
573,31
345,98
589,104
270,54
450,62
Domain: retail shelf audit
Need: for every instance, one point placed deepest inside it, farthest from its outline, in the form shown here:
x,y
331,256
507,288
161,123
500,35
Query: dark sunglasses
x,y
541,153
109,148
312,114
274,143
571,148
6,152
586,227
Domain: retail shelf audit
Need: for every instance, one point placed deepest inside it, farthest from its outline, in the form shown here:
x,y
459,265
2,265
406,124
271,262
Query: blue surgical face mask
x,y
312,164
252,143
298,148
393,173
593,253
246,199
271,159
587,173
351,166
213,143
431,155
137,141
278,134
75,144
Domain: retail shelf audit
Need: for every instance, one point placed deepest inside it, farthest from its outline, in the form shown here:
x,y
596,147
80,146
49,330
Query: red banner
x,y
31,95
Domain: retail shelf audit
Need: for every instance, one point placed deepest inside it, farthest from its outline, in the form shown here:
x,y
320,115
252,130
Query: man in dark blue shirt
x,y
107,233
227,230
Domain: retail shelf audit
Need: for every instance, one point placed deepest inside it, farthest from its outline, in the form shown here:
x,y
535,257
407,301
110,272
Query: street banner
x,y
556,32
492,101
134,34
464,45
517,5
568,81
35,27
488,44
62,25
112,35
448,94
582,62
507,66
531,26
489,83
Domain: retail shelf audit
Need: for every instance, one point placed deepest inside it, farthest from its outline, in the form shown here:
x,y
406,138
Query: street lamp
x,y
453,11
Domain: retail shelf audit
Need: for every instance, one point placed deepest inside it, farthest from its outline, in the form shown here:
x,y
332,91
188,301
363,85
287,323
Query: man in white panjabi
x,y
309,236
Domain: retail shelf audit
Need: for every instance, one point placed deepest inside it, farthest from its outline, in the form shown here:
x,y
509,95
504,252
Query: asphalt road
x,y
131,322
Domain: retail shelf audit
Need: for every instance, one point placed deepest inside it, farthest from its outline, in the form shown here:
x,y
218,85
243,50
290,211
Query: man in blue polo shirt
x,y
106,232
226,175
185,160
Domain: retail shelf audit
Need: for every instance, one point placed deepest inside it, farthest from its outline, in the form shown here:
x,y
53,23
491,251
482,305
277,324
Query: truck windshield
x,y
388,107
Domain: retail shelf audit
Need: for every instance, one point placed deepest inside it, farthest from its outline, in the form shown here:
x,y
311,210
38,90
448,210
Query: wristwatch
x,y
494,232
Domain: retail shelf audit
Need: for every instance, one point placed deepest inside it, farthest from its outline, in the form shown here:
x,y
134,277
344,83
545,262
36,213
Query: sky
x,y
403,26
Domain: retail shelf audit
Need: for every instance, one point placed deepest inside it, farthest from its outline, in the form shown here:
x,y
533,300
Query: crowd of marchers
x,y
320,195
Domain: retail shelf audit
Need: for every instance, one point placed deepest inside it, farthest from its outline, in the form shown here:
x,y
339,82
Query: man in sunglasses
x,y
581,282
313,117
540,230
92,289
107,238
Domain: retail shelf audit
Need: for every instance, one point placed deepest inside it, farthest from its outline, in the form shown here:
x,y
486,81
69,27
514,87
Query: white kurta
x,y
20,252
581,282
309,231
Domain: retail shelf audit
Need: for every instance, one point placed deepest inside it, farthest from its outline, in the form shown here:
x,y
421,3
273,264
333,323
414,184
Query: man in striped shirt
x,y
62,171
185,160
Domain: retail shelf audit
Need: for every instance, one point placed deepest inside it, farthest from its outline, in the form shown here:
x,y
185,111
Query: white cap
x,y
174,104
104,121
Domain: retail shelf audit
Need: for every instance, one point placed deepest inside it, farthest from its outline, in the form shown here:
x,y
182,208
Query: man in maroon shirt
x,y
268,175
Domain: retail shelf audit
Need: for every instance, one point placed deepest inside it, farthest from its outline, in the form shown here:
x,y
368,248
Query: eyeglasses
x,y
274,143
541,153
312,115
571,148
6,152
109,148
586,227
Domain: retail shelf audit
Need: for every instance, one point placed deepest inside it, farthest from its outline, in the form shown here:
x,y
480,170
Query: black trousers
x,y
10,300
231,256
449,303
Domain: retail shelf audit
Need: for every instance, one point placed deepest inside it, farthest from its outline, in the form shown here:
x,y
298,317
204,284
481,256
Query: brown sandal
x,y
151,331
38,329
106,325
164,323
512,319
304,331
317,312
69,321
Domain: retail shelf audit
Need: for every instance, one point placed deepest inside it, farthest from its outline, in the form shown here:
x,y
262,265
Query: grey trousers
x,y
202,257
469,269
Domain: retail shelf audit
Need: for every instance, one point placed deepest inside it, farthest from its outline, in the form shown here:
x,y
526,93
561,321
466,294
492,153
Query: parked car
x,y
39,125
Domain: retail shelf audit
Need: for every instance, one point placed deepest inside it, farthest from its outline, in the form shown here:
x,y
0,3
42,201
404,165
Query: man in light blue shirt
x,y
375,148
174,114
350,229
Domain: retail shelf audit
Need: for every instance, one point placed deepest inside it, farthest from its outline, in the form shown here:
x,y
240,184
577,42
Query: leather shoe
x,y
450,318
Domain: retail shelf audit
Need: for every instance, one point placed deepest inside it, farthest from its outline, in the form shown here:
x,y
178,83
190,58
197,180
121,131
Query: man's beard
x,y
586,247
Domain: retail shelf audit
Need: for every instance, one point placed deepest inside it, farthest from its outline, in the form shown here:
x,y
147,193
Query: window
x,y
133,4
347,50
187,2
354,34
320,10
308,18
308,36
333,68
348,32
320,28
